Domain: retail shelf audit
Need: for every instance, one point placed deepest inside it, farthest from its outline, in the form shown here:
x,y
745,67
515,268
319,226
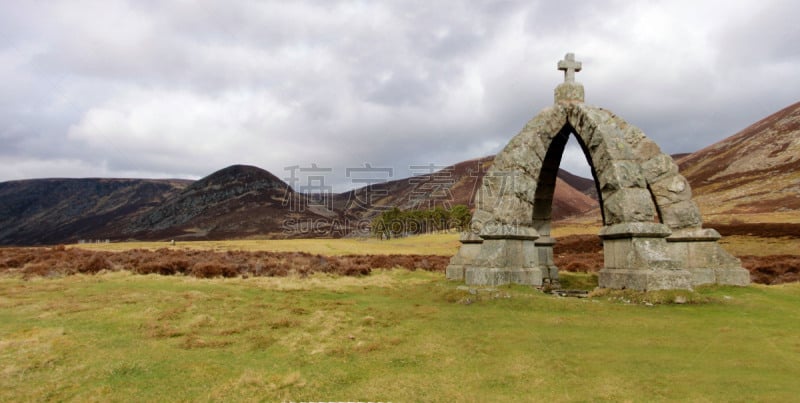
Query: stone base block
x,y
697,251
470,247
722,276
455,272
703,276
732,276
550,272
499,276
645,279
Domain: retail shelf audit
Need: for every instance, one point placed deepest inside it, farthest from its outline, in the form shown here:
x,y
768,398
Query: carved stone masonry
x,y
652,230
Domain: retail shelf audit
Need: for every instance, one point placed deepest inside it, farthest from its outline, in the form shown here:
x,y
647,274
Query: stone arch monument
x,y
652,230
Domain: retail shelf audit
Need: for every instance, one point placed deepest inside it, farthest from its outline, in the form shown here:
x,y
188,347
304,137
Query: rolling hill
x,y
755,172
752,176
235,202
46,211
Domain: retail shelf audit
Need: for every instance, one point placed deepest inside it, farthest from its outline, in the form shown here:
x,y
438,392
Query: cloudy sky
x,y
182,88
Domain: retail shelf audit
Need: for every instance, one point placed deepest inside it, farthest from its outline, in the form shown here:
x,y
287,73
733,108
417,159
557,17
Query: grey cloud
x,y
122,85
767,35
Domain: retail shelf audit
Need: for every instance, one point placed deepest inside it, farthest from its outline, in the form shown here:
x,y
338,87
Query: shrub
x,y
36,270
213,269
164,267
95,264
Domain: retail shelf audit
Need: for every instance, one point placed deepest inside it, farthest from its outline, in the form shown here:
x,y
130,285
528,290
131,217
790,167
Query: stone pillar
x,y
568,93
697,250
470,247
637,257
508,255
544,251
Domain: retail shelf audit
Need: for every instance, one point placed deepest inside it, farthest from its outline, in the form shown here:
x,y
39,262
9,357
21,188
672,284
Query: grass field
x,y
392,336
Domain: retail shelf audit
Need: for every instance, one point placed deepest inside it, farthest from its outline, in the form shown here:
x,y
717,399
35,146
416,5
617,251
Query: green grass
x,y
392,336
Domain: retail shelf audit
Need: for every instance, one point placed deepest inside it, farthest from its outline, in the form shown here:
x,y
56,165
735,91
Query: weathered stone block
x,y
632,134
610,145
524,188
497,230
645,149
740,277
671,189
637,257
501,275
585,121
498,189
479,217
628,205
523,158
466,255
569,93
697,250
508,255
644,280
694,234
637,253
657,167
538,148
510,209
635,229
619,175
683,214
544,251
546,125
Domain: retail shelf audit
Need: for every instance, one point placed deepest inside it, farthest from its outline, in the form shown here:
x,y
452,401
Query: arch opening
x,y
546,185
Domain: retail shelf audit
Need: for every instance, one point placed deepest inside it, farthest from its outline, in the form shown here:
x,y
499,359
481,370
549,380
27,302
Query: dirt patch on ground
x,y
57,261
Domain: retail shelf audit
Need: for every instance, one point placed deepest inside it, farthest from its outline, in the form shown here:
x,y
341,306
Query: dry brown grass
x,y
58,261
773,269
768,250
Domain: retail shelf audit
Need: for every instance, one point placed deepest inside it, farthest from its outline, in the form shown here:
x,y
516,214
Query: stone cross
x,y
570,67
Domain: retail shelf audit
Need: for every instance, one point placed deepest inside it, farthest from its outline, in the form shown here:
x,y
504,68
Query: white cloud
x,y
169,130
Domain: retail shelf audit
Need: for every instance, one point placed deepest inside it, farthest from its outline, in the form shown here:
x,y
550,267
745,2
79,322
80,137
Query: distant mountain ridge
x,y
754,171
232,202
239,201
46,211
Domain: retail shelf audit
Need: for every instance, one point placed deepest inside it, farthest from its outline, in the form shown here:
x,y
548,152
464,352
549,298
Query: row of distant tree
x,y
395,223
